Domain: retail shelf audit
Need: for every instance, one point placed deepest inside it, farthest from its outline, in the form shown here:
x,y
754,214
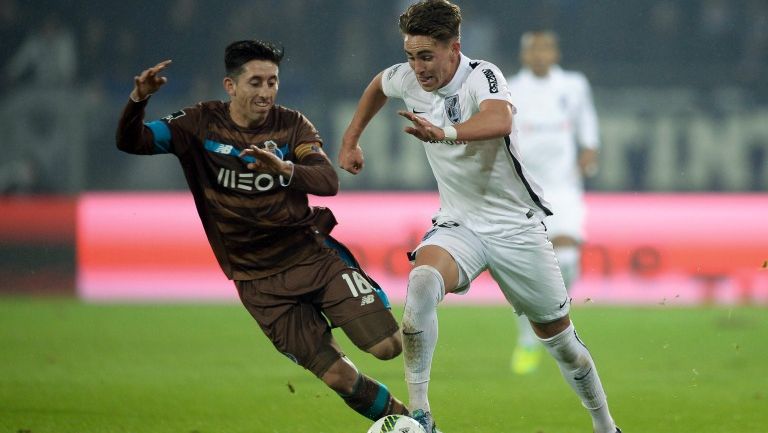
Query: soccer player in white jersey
x,y
491,212
558,135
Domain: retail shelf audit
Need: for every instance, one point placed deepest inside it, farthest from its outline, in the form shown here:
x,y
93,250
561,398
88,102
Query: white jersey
x,y
482,184
555,116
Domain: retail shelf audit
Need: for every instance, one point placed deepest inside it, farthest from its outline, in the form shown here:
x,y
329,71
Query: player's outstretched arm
x,y
350,154
149,81
132,135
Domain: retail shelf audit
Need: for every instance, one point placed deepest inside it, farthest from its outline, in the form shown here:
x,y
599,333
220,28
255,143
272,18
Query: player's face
x,y
253,92
434,62
539,53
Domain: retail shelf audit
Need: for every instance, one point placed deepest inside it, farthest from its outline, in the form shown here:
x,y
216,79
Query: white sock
x,y
525,335
579,371
425,290
569,259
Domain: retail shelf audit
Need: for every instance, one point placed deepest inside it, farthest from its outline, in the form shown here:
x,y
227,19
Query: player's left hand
x,y
266,161
422,128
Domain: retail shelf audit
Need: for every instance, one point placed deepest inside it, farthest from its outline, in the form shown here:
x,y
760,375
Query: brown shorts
x,y
331,294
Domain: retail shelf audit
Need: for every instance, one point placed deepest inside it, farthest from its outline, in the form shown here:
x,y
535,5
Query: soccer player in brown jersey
x,y
250,164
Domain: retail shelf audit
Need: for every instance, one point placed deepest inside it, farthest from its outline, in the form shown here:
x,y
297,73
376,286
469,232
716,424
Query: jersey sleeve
x,y
174,133
587,128
307,140
312,172
393,80
166,135
488,82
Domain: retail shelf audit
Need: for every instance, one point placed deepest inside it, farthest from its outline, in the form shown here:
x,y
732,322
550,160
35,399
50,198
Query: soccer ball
x,y
396,424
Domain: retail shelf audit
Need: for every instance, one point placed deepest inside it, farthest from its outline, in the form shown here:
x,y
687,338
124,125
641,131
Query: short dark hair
x,y
439,19
241,52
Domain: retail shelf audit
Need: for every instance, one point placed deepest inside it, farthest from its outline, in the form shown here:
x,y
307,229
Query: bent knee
x,y
388,348
551,329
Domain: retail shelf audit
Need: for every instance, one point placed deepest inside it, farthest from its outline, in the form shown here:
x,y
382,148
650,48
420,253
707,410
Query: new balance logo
x,y
367,299
225,149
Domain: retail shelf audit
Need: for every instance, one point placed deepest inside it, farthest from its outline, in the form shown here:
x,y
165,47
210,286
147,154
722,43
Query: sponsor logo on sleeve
x,y
174,116
493,84
392,71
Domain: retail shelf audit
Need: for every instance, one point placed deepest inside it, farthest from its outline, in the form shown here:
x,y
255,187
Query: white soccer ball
x,y
396,424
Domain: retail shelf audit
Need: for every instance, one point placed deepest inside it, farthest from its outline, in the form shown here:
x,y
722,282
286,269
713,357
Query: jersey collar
x,y
458,79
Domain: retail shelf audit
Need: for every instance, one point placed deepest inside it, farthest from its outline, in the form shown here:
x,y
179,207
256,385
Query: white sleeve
x,y
392,80
587,128
487,82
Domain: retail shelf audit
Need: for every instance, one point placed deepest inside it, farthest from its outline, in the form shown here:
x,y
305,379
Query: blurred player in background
x,y
558,137
491,212
250,164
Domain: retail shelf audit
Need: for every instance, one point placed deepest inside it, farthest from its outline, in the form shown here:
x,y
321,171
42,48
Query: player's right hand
x,y
351,158
148,82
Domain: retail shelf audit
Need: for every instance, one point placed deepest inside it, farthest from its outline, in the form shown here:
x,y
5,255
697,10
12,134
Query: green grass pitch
x,y
69,367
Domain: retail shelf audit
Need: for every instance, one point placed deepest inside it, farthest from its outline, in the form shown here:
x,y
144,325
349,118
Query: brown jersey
x,y
258,224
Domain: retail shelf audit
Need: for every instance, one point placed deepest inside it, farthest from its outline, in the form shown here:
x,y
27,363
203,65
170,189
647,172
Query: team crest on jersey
x,y
270,145
453,109
174,116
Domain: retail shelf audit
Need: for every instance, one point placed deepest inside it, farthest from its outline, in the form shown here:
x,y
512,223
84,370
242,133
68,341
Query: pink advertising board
x,y
641,249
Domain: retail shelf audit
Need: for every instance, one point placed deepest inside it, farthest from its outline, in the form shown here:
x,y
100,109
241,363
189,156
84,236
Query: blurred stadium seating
x,y
679,88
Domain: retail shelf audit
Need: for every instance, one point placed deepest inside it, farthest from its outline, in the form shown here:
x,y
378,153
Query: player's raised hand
x,y
422,128
351,156
149,81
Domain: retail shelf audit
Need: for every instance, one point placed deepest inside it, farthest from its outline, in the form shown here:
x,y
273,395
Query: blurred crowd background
x,y
680,86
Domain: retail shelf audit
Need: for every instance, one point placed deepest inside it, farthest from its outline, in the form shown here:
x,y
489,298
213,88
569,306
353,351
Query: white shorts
x,y
569,211
523,265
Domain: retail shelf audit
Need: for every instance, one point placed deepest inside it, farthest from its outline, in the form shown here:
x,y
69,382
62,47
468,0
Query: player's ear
x,y
456,47
229,86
